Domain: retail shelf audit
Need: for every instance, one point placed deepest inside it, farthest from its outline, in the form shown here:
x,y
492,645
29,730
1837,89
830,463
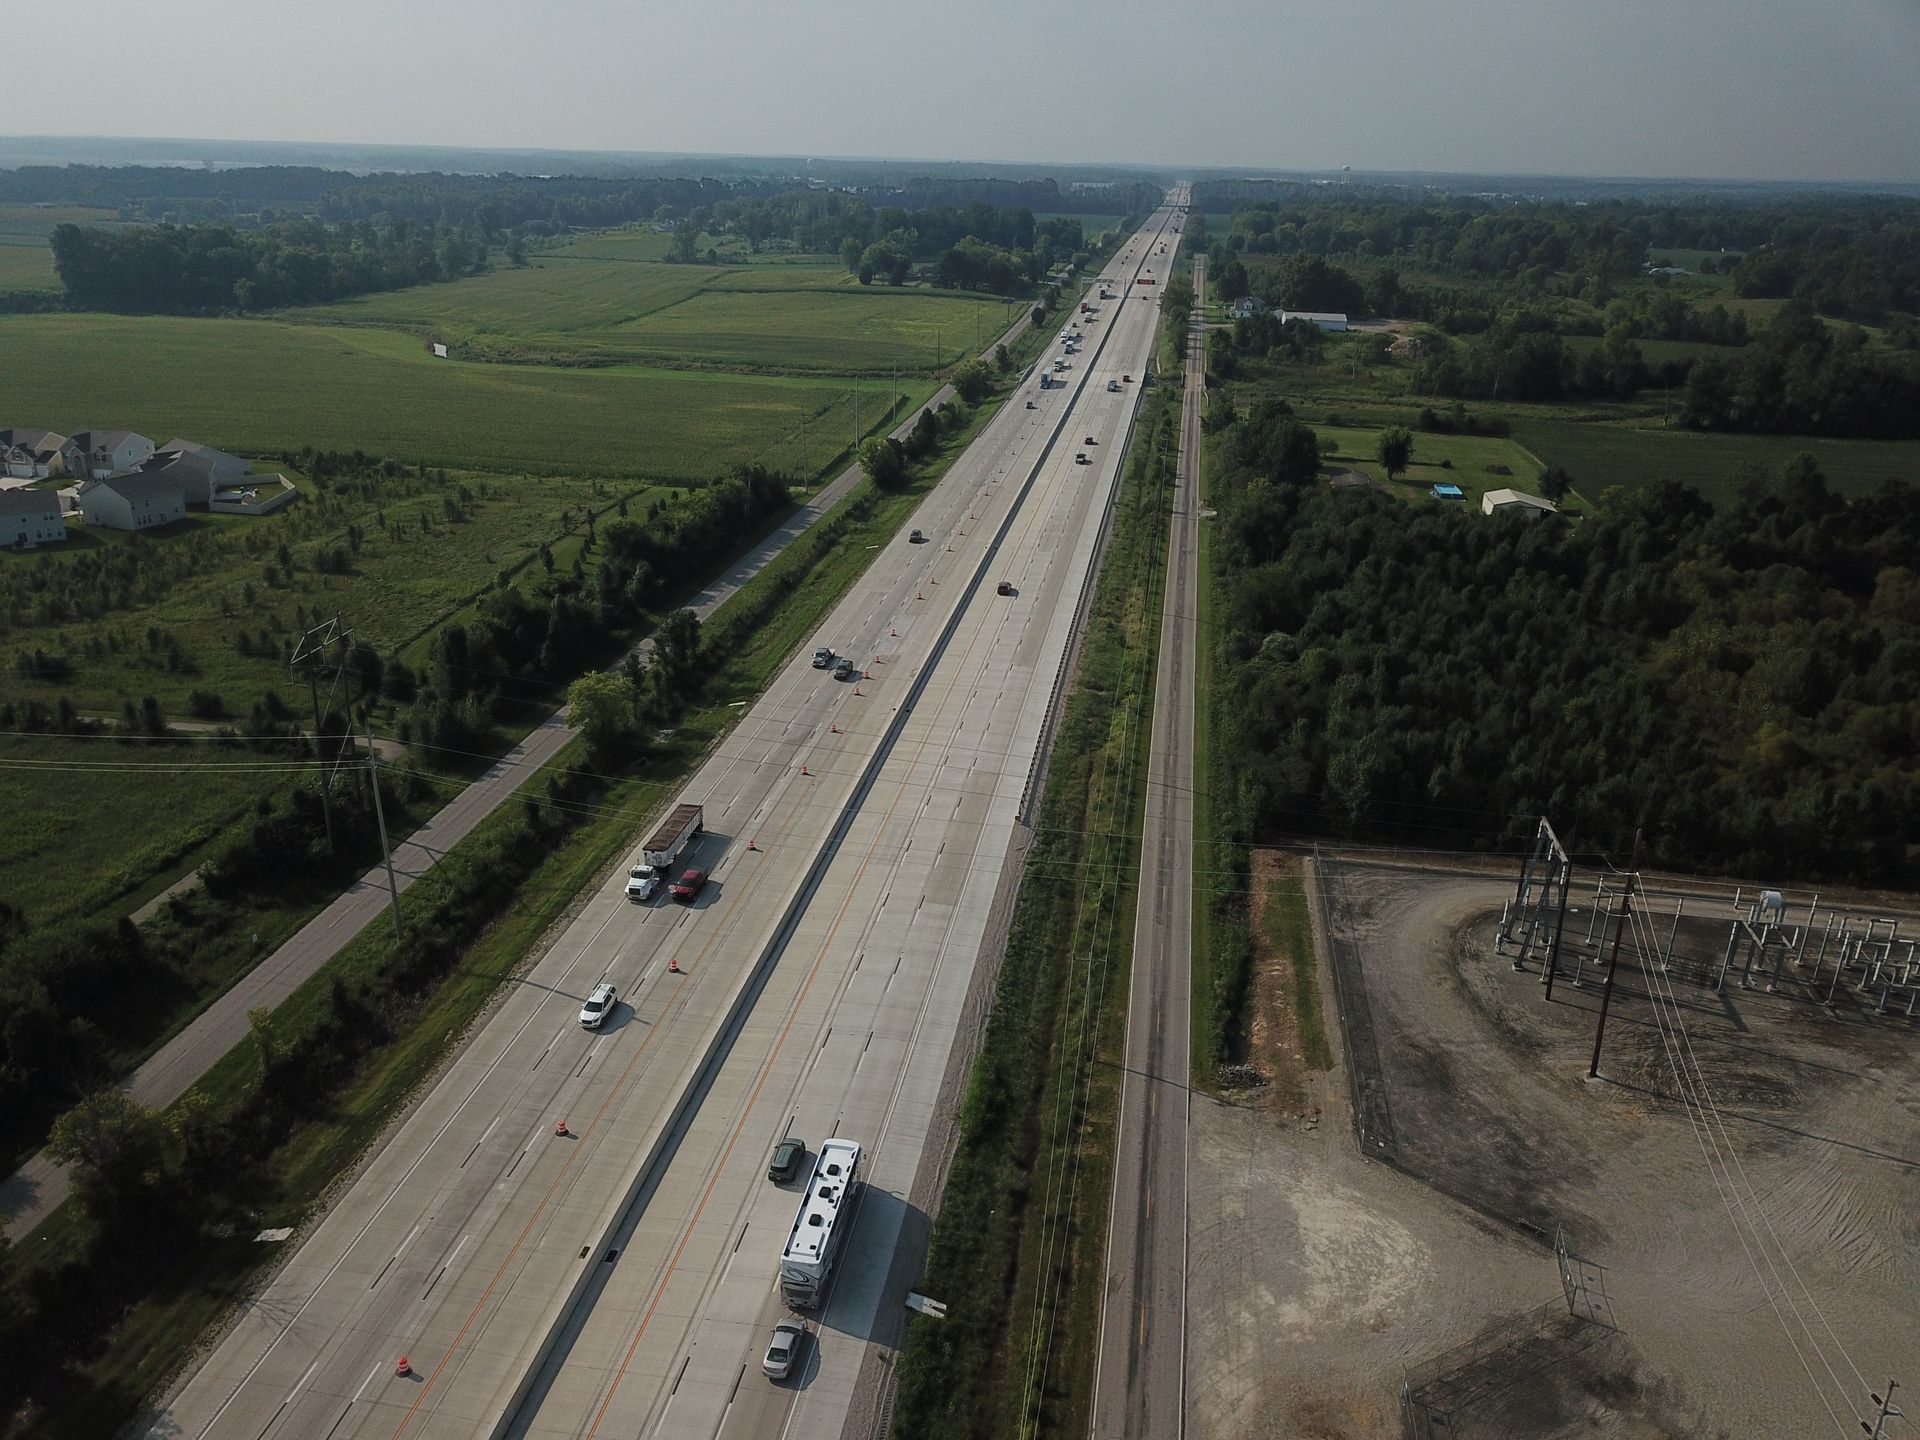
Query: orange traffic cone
x,y
559,1129
893,632
803,769
403,1366
673,965
750,844
835,727
856,690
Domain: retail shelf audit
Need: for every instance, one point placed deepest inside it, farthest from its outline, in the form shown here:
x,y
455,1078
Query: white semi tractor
x,y
824,1218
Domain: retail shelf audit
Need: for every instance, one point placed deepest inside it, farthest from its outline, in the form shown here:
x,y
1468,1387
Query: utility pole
x,y
380,813
1888,1411
1613,959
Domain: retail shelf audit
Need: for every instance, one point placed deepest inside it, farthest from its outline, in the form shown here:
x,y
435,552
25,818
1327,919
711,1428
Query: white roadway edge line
x,y
392,1195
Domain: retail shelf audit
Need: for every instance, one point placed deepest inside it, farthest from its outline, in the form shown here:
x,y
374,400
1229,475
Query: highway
x,y
1140,1379
620,1278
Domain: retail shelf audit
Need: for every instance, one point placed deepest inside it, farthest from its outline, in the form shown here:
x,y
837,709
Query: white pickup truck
x,y
666,845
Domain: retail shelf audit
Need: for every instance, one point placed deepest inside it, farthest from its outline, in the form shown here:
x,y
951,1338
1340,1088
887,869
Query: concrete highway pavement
x,y
31,1193
1140,1380
473,1237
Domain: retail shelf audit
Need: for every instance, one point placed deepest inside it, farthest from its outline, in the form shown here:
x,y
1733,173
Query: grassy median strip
x,y
279,1120
1016,1251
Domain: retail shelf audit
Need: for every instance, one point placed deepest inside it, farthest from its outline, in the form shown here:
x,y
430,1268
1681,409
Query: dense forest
x,y
1745,683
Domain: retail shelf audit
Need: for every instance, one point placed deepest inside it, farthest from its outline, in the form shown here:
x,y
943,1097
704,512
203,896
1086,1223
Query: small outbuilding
x,y
1319,319
29,518
1509,501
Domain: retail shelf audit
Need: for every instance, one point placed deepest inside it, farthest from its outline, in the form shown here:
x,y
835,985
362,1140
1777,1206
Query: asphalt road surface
x,y
620,1278
1140,1382
32,1192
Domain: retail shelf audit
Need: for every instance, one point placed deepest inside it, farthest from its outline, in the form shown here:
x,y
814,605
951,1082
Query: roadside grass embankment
x,y
1015,1252
275,1124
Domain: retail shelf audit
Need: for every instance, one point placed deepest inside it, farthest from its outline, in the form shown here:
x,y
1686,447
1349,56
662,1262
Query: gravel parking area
x,y
1745,1270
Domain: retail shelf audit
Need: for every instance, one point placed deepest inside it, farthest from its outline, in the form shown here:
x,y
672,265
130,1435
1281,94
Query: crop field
x,y
258,387
27,265
25,261
635,243
801,316
1602,454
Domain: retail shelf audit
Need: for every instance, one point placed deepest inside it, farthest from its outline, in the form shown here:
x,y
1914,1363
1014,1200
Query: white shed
x,y
1516,501
1319,319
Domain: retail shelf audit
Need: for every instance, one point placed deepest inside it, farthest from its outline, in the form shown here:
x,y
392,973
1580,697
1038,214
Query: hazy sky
x,y
1814,89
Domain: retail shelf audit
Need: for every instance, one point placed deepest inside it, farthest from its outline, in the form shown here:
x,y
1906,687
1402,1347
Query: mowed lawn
x,y
1599,455
261,386
1477,463
800,315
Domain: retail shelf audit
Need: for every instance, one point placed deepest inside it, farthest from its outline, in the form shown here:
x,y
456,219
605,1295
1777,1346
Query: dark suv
x,y
787,1156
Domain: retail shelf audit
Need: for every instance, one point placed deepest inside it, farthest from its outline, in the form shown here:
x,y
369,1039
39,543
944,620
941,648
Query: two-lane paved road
x,y
1140,1384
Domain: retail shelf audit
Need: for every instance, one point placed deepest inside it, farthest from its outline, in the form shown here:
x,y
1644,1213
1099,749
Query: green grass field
x,y
799,315
66,850
1600,454
261,386
26,266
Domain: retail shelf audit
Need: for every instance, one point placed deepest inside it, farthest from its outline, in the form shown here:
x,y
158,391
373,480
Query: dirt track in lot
x,y
1331,1269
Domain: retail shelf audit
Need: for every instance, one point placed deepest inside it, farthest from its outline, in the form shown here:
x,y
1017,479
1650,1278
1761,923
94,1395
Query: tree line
x,y
206,269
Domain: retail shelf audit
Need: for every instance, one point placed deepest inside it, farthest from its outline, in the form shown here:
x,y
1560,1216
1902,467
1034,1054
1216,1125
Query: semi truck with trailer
x,y
663,848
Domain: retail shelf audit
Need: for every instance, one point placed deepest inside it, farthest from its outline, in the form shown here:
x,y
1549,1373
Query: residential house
x,y
137,501
1245,306
29,518
28,454
1319,319
1516,502
96,454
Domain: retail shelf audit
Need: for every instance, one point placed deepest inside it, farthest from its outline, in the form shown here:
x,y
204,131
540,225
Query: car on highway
x,y
787,1156
783,1350
598,1006
1030,405
824,657
1092,441
1114,386
1005,587
847,670
643,882
1081,458
688,887
917,538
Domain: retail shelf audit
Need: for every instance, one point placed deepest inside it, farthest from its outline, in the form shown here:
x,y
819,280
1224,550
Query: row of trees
x,y
1745,682
202,269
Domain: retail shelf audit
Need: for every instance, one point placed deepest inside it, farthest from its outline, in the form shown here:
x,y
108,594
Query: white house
x,y
96,454
1320,319
133,502
28,454
29,518
1246,305
1516,502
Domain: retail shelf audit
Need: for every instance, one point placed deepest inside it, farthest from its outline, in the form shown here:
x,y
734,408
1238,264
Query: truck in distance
x,y
821,1225
663,847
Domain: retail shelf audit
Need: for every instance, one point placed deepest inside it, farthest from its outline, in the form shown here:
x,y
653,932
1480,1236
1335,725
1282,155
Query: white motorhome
x,y
822,1223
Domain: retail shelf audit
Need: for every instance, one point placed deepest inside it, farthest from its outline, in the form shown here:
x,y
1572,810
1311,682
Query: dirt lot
x,y
1335,1262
